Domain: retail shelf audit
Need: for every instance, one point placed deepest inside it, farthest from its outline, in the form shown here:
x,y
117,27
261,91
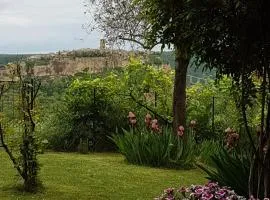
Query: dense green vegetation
x,y
96,176
195,69
160,149
73,105
84,112
8,58
150,111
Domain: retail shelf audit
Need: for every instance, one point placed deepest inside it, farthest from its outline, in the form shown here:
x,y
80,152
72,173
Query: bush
x,y
93,106
90,120
156,149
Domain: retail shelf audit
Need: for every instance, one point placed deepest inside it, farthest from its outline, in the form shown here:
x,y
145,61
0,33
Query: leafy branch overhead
x,y
119,20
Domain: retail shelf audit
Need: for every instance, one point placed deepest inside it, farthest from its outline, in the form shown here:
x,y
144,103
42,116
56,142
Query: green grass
x,y
94,176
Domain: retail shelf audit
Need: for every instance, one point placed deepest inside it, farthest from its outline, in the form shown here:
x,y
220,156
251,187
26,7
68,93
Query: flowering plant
x,y
209,191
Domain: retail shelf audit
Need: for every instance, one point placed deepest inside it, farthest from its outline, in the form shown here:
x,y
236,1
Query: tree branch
x,y
138,42
167,121
5,146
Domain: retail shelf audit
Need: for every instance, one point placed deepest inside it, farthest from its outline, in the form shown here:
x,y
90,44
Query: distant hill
x,y
168,57
7,58
90,59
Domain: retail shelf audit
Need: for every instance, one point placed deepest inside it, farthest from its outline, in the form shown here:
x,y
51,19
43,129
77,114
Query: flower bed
x,y
209,191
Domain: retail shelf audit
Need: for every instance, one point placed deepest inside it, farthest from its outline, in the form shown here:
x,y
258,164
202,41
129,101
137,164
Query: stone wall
x,y
72,62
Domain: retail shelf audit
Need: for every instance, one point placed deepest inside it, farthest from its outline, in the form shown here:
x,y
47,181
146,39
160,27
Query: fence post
x,y
213,114
155,99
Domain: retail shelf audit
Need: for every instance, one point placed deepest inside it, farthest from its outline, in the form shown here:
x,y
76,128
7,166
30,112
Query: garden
x,y
141,131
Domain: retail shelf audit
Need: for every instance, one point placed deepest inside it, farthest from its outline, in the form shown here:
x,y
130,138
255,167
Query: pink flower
x,y
212,184
132,119
220,193
199,191
193,123
147,120
181,128
232,139
131,115
207,196
180,131
169,191
228,130
154,125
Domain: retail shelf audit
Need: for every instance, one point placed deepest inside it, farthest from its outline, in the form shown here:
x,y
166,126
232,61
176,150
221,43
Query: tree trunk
x,y
179,94
266,160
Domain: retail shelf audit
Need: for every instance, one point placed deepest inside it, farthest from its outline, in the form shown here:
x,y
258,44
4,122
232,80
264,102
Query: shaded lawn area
x,y
95,176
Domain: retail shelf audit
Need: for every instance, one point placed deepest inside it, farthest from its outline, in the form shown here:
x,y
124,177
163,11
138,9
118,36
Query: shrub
x,y
156,149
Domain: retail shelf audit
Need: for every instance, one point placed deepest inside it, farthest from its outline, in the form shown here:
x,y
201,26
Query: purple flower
x,y
212,184
169,191
169,198
199,191
209,191
207,196
220,194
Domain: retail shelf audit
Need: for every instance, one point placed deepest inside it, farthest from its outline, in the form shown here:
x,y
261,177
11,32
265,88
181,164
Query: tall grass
x,y
157,150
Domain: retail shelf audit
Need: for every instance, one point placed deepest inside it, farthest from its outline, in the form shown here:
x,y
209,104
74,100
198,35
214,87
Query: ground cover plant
x,y
95,176
208,191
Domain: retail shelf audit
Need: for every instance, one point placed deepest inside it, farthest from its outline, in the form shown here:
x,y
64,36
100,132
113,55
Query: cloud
x,y
48,25
14,20
4,4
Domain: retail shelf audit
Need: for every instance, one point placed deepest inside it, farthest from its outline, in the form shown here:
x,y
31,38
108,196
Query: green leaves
x,y
230,169
157,150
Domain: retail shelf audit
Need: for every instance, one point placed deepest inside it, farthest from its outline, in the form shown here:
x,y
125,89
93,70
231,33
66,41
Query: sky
x,y
43,26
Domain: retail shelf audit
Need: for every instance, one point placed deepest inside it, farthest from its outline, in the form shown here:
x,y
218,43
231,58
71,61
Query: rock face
x,y
72,62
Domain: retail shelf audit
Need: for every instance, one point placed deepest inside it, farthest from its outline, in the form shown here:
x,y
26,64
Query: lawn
x,y
95,176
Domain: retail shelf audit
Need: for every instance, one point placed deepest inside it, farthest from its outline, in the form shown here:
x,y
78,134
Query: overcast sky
x,y
40,26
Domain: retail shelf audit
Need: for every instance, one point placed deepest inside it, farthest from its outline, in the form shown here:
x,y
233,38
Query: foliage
x,y
23,153
65,103
230,168
208,191
156,149
118,20
88,114
200,105
234,38
91,107
214,107
147,23
207,148
8,58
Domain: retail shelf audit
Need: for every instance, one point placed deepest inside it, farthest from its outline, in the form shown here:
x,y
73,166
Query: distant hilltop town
x,y
68,63
64,63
